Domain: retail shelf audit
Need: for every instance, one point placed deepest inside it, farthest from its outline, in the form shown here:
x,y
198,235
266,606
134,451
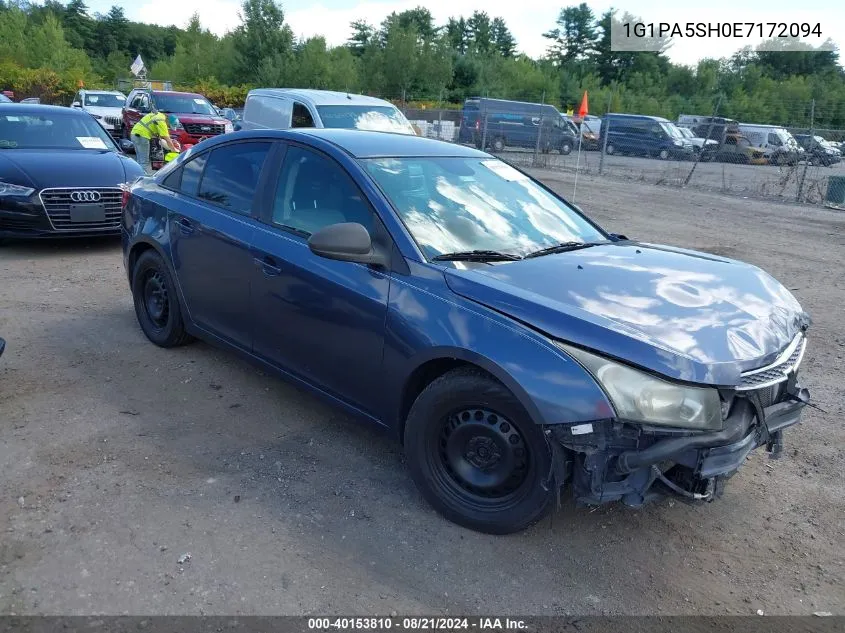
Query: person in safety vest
x,y
152,126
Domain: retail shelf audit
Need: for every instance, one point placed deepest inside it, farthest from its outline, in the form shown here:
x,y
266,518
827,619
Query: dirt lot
x,y
117,457
763,181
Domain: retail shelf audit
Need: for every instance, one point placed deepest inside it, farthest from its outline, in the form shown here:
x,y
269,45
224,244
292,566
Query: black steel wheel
x,y
156,304
475,454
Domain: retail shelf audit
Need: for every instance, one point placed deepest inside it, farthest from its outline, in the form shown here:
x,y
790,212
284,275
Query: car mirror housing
x,y
76,104
346,242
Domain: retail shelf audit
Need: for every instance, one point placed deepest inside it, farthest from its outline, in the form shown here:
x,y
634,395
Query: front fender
x,y
423,325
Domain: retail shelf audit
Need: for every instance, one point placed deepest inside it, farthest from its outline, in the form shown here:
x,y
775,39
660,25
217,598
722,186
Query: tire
x,y
664,154
610,149
466,422
156,304
565,149
498,145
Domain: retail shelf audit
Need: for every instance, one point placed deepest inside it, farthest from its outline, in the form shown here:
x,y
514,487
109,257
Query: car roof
x,y
362,143
102,92
638,116
39,109
320,97
169,92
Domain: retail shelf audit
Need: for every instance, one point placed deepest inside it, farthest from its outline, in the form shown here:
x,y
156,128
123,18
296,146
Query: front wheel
x,y
476,456
156,305
664,154
498,145
610,149
566,149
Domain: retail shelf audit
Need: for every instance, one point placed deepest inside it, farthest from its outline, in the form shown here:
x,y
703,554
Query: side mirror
x,y
127,146
76,104
236,126
618,237
346,242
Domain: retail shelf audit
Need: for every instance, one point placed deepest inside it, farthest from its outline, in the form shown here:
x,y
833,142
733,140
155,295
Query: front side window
x,y
301,116
231,175
314,192
465,204
361,117
71,131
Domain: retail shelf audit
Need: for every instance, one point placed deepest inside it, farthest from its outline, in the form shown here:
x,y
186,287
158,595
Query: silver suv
x,y
283,108
104,105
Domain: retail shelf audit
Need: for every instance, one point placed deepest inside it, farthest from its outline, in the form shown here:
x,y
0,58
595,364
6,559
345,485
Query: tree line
x,y
49,49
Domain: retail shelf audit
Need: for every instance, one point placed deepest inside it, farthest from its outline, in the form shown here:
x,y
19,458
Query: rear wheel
x,y
475,455
610,149
664,154
156,305
498,145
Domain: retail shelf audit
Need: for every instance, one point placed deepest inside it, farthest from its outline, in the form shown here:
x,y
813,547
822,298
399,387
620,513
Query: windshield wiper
x,y
563,247
477,256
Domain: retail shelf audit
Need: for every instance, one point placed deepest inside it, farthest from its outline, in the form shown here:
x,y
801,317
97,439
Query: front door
x,y
211,230
320,319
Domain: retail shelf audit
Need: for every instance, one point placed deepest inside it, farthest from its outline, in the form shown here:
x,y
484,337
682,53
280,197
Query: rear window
x,y
268,112
352,117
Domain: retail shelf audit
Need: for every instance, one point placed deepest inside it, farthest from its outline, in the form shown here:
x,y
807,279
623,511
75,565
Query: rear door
x,y
211,232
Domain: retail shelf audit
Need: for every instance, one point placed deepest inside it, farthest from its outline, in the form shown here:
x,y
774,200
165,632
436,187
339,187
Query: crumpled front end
x,y
615,460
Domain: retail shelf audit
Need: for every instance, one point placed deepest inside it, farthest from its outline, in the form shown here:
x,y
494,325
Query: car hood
x,y
687,315
202,119
101,111
66,168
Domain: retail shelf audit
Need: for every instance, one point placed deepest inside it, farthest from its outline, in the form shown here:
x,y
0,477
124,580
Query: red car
x,y
198,119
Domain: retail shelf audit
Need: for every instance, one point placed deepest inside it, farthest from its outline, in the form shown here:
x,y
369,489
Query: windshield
x,y
104,100
685,132
672,130
4,99
53,131
184,104
465,204
378,118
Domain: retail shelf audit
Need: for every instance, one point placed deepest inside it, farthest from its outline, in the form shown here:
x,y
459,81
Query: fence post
x,y
807,161
539,131
603,134
484,134
704,146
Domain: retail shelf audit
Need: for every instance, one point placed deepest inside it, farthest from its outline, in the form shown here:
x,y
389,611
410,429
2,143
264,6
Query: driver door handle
x,y
185,226
268,265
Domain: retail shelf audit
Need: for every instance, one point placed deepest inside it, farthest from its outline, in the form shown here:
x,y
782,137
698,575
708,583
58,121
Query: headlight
x,y
679,143
640,397
7,189
228,127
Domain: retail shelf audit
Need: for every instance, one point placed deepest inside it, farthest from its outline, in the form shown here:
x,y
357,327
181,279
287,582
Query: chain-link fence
x,y
796,163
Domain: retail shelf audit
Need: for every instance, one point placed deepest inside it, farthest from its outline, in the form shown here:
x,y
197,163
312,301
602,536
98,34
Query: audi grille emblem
x,y
85,196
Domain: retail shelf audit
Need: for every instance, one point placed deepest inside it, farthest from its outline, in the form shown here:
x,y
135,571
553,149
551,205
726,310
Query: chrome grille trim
x,y
778,371
56,203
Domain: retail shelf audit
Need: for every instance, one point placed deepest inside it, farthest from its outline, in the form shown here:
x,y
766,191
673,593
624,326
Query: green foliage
x,y
47,49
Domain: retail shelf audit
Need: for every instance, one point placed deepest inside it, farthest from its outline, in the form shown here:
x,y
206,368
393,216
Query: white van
x,y
777,145
283,108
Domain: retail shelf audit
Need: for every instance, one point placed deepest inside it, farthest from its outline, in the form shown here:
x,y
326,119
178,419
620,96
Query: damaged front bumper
x,y
611,460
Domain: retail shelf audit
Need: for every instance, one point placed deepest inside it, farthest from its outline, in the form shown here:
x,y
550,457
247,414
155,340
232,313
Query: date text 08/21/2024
x,y
418,623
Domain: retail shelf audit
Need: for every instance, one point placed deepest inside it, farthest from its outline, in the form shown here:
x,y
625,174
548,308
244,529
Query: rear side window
x,y
268,112
231,176
191,174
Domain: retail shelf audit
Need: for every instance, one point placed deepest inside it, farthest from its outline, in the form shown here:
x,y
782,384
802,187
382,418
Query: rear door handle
x,y
268,265
185,226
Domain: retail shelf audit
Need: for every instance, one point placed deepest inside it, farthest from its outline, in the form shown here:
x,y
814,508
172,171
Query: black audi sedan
x,y
60,173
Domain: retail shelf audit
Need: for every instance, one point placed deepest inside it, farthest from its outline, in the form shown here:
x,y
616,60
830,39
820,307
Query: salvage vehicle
x,y
818,151
104,105
646,136
511,344
197,118
60,173
285,108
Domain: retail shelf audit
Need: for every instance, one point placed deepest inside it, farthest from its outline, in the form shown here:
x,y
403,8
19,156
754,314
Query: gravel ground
x,y
761,181
117,459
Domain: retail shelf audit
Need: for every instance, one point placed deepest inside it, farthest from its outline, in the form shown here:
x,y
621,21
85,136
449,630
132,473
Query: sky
x,y
527,19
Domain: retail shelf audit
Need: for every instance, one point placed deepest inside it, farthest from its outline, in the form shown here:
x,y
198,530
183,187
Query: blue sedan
x,y
512,345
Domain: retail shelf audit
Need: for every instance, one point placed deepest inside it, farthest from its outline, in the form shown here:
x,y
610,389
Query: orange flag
x,y
582,111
